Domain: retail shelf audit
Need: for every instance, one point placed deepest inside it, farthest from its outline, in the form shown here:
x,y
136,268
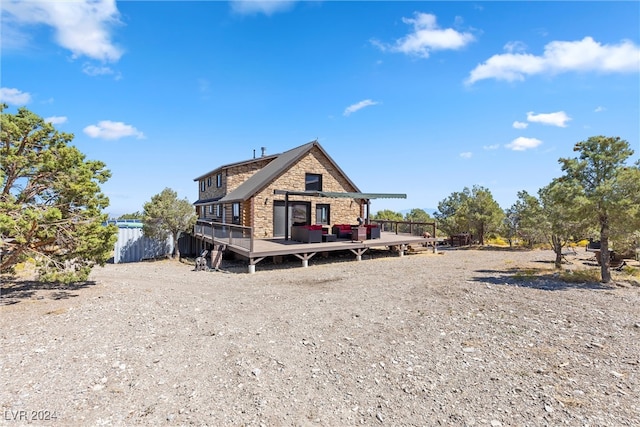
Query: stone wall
x,y
342,211
232,177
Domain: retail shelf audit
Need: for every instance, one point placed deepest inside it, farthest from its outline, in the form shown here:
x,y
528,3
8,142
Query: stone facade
x,y
342,211
230,178
257,212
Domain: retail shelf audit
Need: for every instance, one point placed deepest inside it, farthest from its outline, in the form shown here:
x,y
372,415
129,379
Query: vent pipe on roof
x,y
254,153
264,151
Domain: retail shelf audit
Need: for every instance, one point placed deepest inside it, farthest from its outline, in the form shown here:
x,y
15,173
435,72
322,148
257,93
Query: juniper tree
x,y
50,200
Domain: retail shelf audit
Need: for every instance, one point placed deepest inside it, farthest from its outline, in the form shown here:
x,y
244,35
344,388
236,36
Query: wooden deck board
x,y
263,248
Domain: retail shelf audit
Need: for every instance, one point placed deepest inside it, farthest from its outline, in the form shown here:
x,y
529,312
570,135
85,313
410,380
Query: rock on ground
x,y
452,339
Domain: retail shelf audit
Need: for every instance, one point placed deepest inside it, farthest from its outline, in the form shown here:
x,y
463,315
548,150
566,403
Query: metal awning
x,y
335,195
206,201
338,195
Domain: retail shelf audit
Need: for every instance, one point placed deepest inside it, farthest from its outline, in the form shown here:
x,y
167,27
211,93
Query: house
x,y
301,186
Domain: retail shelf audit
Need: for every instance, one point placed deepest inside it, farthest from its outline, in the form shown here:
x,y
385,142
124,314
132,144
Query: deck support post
x,y
305,258
252,264
401,250
358,253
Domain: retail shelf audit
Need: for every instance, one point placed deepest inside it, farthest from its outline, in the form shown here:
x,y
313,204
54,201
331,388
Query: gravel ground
x,y
425,339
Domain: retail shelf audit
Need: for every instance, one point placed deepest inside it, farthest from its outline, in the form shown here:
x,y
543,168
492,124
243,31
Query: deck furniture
x,y
328,237
373,231
306,233
358,233
343,231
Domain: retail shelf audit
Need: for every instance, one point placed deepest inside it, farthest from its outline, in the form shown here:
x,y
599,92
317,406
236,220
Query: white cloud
x,y
599,109
14,96
82,26
426,37
102,70
522,143
515,46
491,147
56,120
106,129
358,106
520,125
559,118
267,7
560,57
466,155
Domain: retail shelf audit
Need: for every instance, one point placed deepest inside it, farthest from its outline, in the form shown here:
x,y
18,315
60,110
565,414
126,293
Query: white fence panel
x,y
133,246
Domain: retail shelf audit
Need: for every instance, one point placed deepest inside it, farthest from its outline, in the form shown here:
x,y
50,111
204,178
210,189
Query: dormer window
x,y
313,182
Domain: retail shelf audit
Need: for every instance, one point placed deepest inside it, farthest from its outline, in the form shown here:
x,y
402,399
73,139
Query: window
x,y
219,211
202,212
322,214
219,180
235,213
312,182
209,182
202,185
210,209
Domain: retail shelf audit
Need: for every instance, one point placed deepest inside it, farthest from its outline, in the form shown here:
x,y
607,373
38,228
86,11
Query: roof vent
x,y
264,151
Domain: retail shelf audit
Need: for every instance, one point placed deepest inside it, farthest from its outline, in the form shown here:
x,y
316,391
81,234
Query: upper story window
x,y
202,185
219,180
209,182
312,182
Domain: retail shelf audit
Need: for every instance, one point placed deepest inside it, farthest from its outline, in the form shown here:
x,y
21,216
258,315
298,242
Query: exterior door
x,y
299,213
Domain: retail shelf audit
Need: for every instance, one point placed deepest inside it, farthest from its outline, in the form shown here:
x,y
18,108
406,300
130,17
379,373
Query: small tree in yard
x,y
165,215
50,201
472,210
526,219
607,186
560,216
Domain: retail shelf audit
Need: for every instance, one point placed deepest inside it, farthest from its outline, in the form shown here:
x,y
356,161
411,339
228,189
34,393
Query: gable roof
x,y
230,165
275,168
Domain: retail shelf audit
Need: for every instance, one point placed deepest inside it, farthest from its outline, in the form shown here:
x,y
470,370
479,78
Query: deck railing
x,y
407,227
225,234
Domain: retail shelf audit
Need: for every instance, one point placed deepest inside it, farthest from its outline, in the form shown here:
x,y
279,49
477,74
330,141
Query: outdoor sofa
x,y
345,231
306,233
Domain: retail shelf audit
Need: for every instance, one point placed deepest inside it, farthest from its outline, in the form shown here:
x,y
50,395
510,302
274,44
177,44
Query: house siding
x,y
257,211
343,211
232,177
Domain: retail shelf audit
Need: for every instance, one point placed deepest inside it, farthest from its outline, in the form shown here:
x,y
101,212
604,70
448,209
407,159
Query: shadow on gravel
x,y
545,282
14,291
286,262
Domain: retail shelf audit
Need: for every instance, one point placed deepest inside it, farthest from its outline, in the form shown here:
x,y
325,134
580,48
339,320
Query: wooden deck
x,y
263,248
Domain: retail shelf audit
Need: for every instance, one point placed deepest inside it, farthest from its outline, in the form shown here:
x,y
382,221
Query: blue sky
x,y
422,98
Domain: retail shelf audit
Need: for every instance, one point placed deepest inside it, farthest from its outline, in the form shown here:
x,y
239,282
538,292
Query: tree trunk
x,y
556,242
605,258
176,247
